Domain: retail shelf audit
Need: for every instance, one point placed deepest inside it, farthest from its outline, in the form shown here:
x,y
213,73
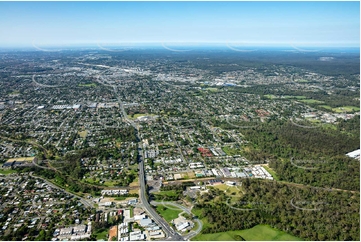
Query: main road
x,y
188,211
171,234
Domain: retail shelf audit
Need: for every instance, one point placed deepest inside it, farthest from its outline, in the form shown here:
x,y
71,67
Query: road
x,y
171,234
82,200
188,211
42,85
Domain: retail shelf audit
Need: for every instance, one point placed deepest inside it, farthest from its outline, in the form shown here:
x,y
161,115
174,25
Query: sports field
x,y
257,233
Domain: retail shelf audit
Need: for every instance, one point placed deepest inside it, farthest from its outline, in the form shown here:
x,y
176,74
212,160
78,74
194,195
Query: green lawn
x,y
326,107
295,97
302,81
272,172
300,97
96,182
230,151
257,233
197,212
229,190
212,89
168,213
346,109
168,193
341,109
270,96
7,172
102,235
87,85
311,101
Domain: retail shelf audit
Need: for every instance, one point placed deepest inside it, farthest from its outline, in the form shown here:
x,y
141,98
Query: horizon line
x,y
228,44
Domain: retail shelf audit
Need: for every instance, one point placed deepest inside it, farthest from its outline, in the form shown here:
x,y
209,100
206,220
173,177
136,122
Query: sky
x,y
233,23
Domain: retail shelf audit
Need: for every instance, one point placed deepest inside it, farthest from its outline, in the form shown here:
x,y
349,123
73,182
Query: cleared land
x,y
113,232
257,233
83,134
28,159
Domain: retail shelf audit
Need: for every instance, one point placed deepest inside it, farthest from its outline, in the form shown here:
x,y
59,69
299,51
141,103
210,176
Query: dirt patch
x,y
113,233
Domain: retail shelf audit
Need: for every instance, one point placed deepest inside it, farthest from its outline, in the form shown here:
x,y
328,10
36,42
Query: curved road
x,y
188,211
82,200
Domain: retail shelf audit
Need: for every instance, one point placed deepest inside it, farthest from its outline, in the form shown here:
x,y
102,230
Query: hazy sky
x,y
256,23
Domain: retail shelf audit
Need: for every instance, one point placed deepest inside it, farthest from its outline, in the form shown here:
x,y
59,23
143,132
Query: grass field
x,y
347,109
212,89
326,107
229,190
302,81
7,172
167,213
270,96
257,233
137,115
169,193
272,172
96,182
311,101
230,151
87,85
294,97
197,212
83,134
102,235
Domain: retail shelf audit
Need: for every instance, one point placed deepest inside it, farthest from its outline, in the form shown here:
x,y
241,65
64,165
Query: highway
x,y
170,233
